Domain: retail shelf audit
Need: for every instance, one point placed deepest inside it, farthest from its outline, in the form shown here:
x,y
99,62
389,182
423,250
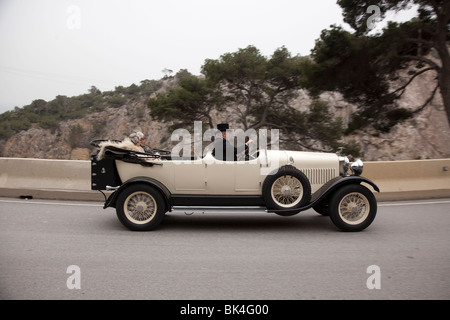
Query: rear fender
x,y
112,199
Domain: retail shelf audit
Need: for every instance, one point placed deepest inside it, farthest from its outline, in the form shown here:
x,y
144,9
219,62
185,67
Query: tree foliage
x,y
352,66
259,88
257,92
361,66
193,100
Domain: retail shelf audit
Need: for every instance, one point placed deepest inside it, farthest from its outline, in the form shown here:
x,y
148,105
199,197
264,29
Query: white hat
x,y
140,135
135,137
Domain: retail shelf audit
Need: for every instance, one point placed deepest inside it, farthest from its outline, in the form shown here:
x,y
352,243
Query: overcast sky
x,y
63,47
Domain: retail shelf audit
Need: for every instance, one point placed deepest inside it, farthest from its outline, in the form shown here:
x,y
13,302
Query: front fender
x,y
337,182
328,188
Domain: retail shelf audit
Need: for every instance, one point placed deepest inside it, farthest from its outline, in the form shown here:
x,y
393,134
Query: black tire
x,y
288,188
353,208
140,207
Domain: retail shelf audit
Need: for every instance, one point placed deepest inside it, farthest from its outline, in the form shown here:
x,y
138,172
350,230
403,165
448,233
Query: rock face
x,y
423,137
65,143
426,136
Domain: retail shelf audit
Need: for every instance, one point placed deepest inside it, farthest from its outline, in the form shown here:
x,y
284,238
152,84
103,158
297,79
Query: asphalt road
x,y
225,255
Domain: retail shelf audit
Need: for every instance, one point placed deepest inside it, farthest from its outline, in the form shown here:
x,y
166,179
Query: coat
x,y
225,151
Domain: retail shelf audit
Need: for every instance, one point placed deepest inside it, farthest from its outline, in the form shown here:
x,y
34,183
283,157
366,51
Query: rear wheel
x,y
353,208
140,207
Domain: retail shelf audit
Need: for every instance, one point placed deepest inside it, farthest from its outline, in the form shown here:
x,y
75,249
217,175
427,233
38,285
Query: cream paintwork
x,y
210,176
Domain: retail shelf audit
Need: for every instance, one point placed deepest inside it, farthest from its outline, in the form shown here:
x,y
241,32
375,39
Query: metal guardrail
x,y
70,179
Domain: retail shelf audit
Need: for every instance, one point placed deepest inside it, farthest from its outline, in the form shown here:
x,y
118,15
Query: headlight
x,y
357,167
344,164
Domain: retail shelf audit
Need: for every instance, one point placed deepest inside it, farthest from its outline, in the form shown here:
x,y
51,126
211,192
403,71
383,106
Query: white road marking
x,y
414,203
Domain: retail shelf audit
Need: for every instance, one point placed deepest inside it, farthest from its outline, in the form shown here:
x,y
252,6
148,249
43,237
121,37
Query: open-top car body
x,y
146,186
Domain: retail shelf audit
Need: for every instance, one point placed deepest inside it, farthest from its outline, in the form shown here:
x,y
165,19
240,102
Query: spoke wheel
x,y
287,191
353,207
140,207
286,188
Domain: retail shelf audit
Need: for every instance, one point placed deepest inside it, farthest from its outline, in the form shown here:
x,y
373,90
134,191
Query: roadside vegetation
x,y
258,91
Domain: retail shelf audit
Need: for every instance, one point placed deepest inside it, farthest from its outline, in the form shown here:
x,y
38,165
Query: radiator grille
x,y
319,176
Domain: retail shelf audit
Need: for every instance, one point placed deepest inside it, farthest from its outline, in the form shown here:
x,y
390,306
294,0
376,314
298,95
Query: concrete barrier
x,y
46,179
412,179
70,179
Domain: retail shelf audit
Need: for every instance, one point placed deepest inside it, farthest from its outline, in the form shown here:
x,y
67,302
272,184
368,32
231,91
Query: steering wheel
x,y
254,155
243,157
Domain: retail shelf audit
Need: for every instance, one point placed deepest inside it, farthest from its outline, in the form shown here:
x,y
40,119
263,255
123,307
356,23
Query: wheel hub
x,y
286,190
354,208
141,207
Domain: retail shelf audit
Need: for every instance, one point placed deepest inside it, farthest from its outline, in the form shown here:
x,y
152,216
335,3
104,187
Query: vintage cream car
x,y
146,186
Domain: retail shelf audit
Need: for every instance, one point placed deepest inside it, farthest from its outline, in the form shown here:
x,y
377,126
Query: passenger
x,y
134,142
138,138
224,149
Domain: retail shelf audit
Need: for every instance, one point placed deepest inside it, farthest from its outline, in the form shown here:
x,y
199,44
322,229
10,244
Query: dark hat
x,y
223,126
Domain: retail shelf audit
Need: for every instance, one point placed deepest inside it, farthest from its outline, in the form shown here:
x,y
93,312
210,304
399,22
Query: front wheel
x,y
140,207
353,208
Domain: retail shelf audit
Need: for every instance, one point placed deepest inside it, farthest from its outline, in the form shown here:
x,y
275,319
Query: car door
x,y
248,176
220,176
189,176
232,177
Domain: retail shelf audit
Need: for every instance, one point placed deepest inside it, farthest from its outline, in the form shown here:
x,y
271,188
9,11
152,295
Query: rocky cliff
x,y
423,137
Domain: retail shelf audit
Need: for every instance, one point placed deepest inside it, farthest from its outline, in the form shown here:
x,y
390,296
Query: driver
x,y
224,149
